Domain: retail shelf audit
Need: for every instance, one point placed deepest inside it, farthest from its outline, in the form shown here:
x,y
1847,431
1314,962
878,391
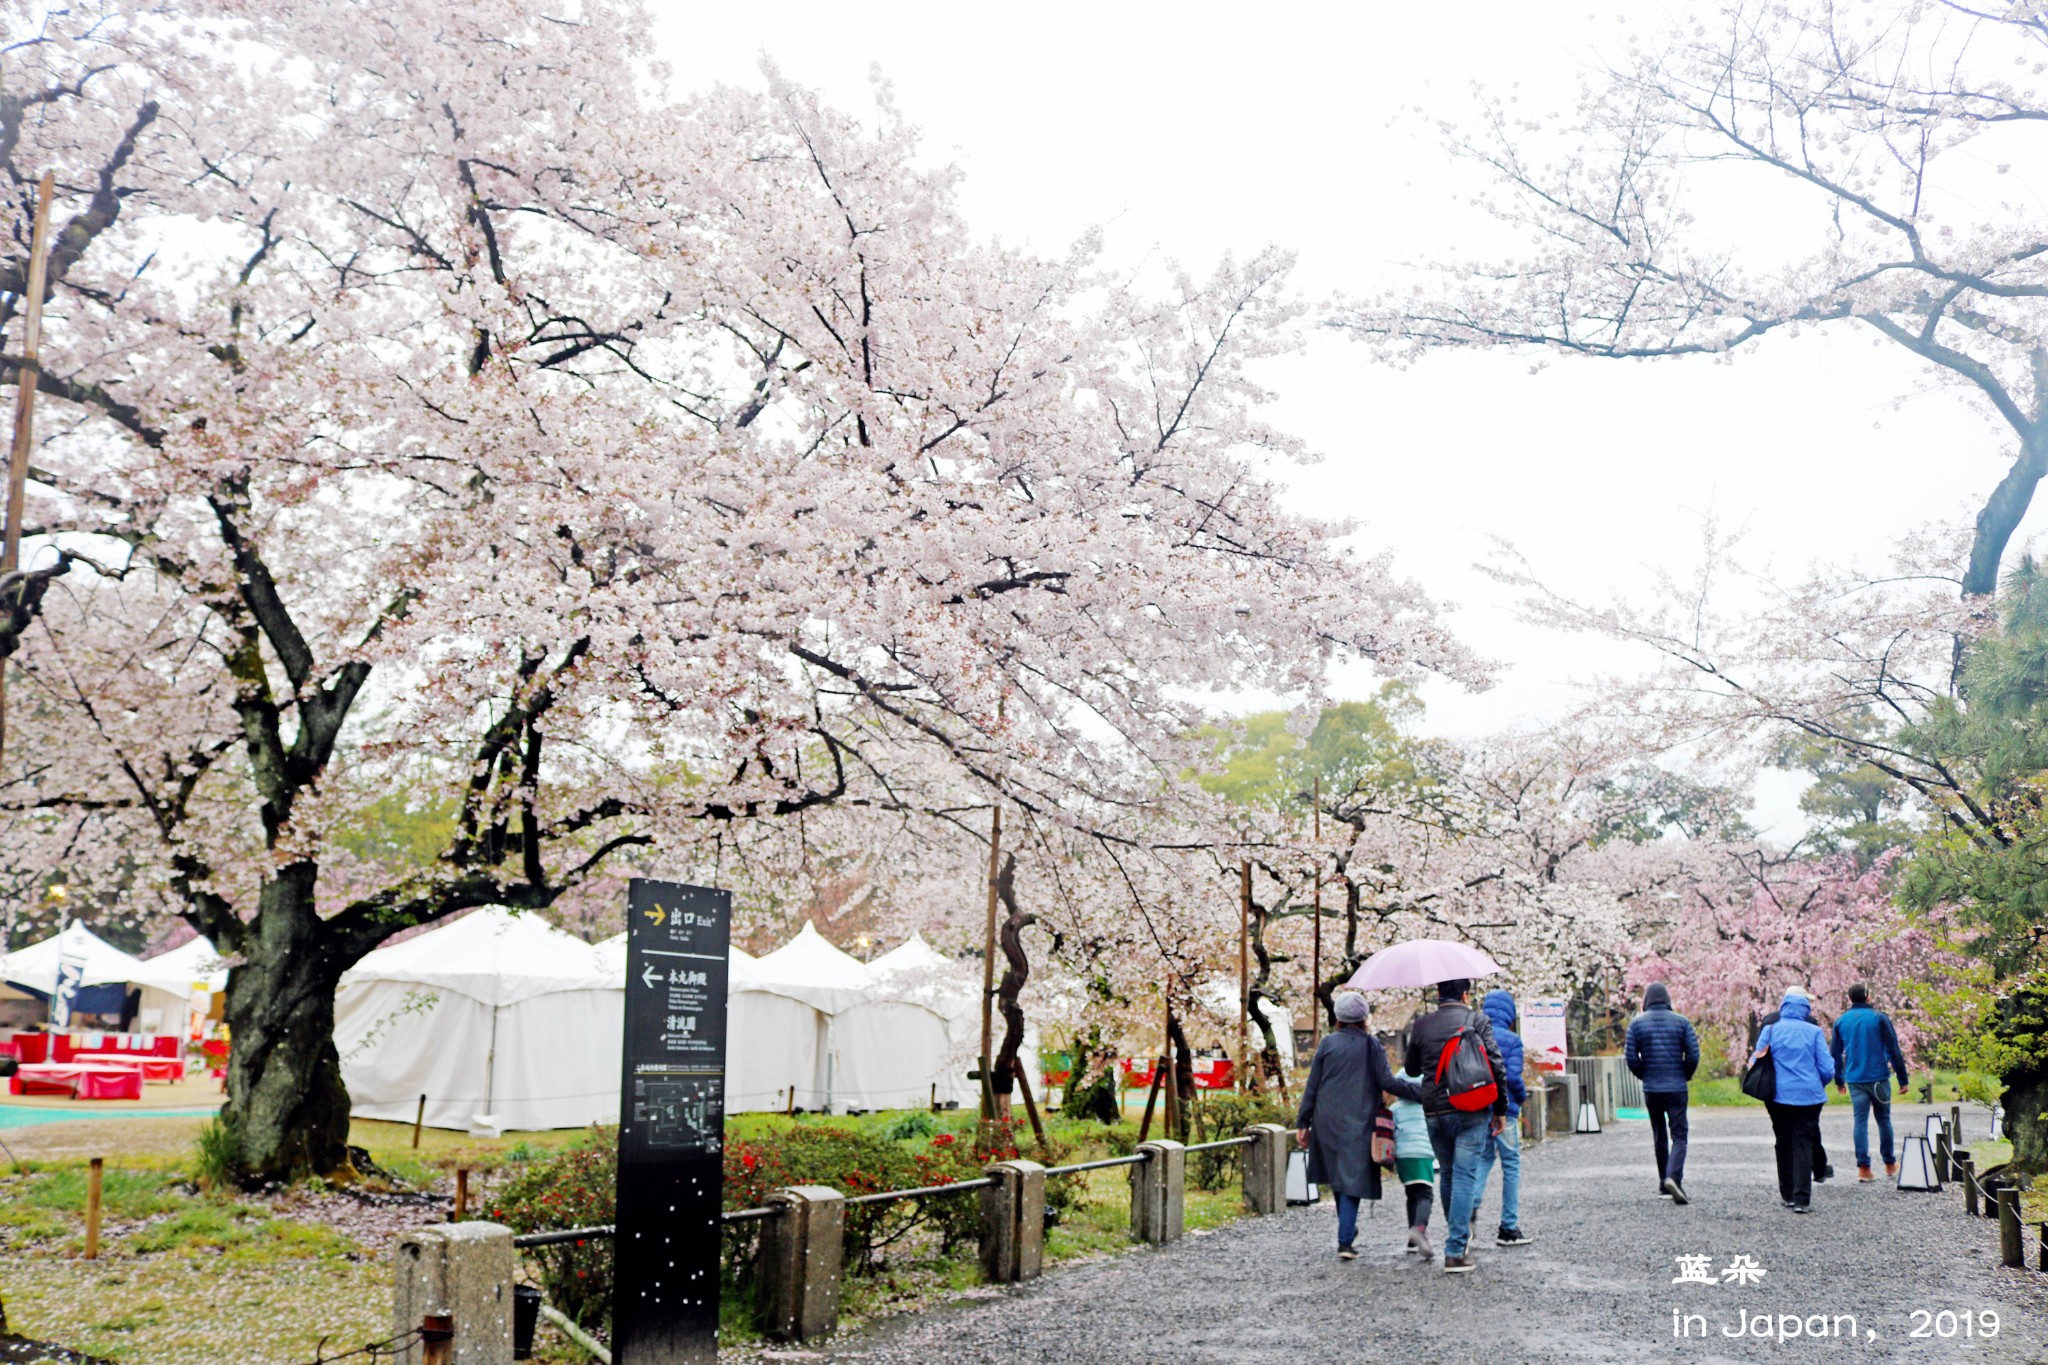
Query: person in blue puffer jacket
x,y
1798,1048
1662,1052
1499,1007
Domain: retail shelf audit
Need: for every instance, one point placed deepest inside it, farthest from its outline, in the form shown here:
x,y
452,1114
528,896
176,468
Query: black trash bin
x,y
525,1316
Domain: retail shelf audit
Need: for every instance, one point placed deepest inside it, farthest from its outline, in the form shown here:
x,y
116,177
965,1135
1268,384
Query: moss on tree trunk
x,y
285,1092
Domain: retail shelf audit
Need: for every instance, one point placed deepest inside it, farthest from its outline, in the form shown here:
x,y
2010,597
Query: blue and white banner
x,y
70,976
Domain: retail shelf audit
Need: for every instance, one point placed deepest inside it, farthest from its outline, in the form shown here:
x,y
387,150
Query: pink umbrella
x,y
1423,962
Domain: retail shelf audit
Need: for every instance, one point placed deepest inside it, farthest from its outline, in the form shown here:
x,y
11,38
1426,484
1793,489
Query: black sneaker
x,y
1512,1237
1802,1208
1345,1253
1676,1192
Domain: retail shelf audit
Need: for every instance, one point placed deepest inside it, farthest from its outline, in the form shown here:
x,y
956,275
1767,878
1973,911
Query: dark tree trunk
x,y
1183,1077
2000,517
1016,971
2025,1100
285,1094
1269,1050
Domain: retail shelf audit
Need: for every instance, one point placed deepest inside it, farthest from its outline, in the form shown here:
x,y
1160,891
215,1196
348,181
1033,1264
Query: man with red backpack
x,y
1465,1100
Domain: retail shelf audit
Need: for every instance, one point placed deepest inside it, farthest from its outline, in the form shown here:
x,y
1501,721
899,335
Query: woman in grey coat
x,y
1338,1106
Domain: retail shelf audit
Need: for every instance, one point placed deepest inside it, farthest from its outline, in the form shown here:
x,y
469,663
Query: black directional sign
x,y
671,1125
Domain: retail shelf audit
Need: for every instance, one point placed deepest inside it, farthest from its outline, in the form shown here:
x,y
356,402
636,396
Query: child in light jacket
x,y
1415,1165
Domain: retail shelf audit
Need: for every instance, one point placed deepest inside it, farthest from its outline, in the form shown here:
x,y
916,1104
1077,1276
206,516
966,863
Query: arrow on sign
x,y
648,978
657,914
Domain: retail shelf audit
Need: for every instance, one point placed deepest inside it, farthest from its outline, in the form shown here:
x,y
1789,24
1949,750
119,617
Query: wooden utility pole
x,y
1244,973
25,404
1172,1088
1315,989
988,968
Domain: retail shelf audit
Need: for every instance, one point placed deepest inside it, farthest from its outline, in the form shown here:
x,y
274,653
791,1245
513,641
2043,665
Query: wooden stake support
x,y
1031,1109
92,1209
461,1193
419,1117
1151,1099
437,1339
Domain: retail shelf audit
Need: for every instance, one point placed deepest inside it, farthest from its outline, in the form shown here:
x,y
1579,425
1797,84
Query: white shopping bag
x,y
1300,1189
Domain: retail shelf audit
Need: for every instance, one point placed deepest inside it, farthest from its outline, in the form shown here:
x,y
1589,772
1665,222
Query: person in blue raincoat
x,y
1799,1049
1506,1145
1338,1106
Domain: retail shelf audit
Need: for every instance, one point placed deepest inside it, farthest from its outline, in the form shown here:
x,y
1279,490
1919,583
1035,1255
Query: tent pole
x,y
26,379
491,1064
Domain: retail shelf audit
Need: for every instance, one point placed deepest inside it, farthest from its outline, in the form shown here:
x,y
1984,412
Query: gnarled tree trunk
x,y
1016,971
285,1094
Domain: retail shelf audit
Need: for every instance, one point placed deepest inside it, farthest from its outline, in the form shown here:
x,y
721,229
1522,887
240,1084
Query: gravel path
x,y
1596,1286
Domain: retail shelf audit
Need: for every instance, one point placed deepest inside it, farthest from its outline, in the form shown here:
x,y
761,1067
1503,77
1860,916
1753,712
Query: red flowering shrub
x,y
574,1189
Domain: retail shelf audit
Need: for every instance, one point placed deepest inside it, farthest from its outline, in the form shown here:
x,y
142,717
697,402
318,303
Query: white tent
x,y
35,967
1220,1000
191,963
915,973
498,1015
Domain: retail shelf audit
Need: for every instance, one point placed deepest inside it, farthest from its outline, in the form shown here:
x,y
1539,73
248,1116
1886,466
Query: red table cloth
x,y
30,1047
69,1045
1211,1073
80,1082
153,1068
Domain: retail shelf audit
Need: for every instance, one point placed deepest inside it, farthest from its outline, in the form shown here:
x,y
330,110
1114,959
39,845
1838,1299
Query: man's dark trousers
x,y
1668,1131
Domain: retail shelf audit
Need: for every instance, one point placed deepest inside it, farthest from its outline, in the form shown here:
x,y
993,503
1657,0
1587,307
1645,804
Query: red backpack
x,y
1465,1073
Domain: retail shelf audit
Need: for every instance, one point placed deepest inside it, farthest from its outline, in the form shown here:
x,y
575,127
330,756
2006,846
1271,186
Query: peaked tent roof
x,y
810,969
917,972
176,970
36,965
491,955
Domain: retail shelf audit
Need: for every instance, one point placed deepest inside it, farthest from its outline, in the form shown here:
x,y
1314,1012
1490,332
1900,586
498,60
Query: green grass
x,y
1727,1090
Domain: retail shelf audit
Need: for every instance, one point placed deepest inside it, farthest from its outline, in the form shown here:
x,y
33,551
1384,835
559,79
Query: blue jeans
x,y
1459,1140
1506,1145
1864,1096
1347,1219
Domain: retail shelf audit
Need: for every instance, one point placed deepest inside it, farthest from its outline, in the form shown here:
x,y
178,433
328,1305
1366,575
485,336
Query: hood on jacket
x,y
1499,1006
1657,997
1795,1005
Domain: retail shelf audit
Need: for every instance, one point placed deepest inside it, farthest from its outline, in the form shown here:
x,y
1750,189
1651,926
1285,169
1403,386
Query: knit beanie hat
x,y
1351,1008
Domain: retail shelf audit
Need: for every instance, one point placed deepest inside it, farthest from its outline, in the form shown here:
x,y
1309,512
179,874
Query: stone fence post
x,y
802,1257
1159,1192
1263,1164
1013,1222
462,1269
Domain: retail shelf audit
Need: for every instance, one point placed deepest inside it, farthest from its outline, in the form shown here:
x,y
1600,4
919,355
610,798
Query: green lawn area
x,y
190,1278
1727,1090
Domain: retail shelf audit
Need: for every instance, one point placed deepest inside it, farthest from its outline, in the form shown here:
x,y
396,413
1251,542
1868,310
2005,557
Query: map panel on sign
x,y
680,1112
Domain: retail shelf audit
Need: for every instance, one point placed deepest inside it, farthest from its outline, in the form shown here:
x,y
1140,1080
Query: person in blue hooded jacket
x,y
1663,1052
1506,1145
1798,1048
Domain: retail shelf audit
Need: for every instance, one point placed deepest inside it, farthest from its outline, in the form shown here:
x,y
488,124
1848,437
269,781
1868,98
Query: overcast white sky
x,y
1193,130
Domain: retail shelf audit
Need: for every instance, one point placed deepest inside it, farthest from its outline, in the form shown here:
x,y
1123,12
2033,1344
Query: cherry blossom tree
x,y
432,404
1875,133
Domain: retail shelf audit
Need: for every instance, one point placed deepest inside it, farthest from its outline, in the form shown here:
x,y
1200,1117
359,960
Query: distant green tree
x,y
1358,748
1988,854
1856,807
1644,802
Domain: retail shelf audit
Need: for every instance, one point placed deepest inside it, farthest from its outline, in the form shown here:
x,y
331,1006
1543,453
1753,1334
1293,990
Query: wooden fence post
x,y
461,1193
92,1209
419,1117
1968,1176
2011,1250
